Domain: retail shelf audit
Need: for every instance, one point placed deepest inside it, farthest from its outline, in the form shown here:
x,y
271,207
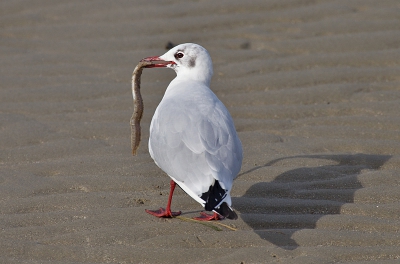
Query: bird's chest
x,y
175,116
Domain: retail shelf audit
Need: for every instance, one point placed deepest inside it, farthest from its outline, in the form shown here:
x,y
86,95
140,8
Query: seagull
x,y
192,135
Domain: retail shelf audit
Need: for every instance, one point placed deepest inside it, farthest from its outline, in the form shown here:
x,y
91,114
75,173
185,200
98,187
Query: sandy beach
x,y
314,91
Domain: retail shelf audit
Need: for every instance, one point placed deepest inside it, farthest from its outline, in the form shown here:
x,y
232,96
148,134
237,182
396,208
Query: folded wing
x,y
193,139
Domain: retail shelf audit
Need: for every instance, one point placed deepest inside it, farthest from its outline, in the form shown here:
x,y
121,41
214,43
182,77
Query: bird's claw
x,y
206,217
163,213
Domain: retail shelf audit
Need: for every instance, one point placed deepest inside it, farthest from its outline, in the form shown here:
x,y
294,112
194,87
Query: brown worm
x,y
137,106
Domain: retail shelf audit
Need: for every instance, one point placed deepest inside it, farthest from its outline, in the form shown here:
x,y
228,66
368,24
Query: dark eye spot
x,y
192,62
178,55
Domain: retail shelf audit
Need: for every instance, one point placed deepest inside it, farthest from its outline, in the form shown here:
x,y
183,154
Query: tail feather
x,y
214,201
226,211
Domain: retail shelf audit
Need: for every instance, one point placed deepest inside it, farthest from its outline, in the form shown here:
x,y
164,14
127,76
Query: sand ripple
x,y
313,87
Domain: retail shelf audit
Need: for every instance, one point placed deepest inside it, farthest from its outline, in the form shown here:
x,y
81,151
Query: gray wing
x,y
193,139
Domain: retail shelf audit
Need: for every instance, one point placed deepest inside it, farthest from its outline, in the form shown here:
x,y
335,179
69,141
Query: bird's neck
x,y
179,85
190,81
199,78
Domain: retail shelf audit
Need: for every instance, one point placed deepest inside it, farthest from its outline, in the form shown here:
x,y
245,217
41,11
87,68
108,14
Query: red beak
x,y
157,62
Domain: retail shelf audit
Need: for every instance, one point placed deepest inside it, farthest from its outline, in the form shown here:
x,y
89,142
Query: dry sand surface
x,y
314,90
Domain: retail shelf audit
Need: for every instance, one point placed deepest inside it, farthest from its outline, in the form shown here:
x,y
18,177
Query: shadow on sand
x,y
298,198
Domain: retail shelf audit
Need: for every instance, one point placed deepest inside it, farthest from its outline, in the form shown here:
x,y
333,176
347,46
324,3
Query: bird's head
x,y
190,62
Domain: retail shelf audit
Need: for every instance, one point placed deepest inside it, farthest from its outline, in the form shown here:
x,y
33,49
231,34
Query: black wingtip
x,y
226,211
213,197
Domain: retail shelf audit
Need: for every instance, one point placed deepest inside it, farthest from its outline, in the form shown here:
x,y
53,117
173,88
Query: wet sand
x,y
314,90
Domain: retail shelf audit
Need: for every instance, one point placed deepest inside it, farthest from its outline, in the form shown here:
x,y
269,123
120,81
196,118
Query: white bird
x,y
192,135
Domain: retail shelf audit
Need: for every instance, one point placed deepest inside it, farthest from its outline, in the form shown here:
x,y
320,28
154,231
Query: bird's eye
x,y
178,55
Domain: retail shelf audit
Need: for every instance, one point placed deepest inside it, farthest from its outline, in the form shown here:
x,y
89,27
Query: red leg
x,y
206,217
166,212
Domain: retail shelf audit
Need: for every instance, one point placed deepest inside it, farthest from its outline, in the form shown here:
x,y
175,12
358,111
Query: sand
x,y
314,90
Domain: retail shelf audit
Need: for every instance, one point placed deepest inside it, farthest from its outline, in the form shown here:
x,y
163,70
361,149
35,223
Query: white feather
x,y
192,135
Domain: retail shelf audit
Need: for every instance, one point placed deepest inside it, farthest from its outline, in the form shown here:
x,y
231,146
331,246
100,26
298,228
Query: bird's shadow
x,y
298,198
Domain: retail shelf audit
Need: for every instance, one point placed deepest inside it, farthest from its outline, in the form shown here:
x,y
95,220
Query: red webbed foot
x,y
206,217
166,212
163,213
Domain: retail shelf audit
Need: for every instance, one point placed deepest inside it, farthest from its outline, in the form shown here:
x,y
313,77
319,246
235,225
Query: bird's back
x,y
193,139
